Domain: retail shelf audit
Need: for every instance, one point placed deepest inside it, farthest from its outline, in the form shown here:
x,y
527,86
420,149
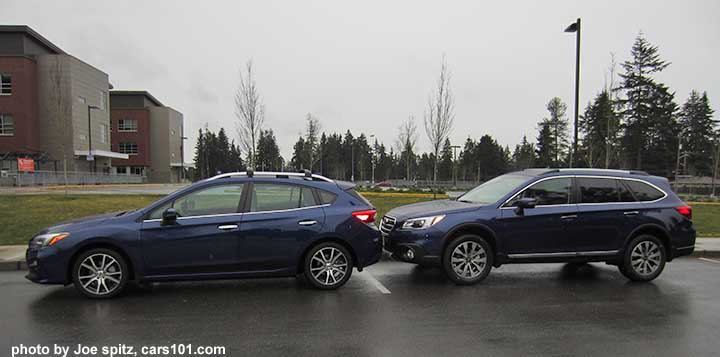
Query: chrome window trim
x,y
290,209
563,254
238,214
665,194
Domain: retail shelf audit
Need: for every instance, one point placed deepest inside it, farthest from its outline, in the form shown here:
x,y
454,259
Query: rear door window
x,y
326,197
275,197
644,192
598,190
625,194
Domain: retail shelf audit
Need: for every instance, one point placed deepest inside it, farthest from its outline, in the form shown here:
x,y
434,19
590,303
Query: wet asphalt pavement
x,y
552,309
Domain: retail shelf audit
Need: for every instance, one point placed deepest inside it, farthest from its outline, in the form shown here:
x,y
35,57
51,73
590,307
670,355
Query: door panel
x,y
192,246
538,230
280,221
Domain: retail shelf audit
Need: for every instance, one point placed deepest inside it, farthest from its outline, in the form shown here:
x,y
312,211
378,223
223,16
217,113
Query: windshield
x,y
493,190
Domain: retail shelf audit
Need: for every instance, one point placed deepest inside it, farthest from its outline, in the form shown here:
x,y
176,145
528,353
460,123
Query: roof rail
x,y
306,174
631,172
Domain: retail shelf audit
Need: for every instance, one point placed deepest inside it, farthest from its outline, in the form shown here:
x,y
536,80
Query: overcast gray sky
x,y
368,65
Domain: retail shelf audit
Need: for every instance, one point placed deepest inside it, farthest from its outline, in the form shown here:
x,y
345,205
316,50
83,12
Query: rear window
x,y
358,196
644,192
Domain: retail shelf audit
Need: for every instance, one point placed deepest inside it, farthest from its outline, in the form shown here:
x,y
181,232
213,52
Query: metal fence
x,y
424,184
54,178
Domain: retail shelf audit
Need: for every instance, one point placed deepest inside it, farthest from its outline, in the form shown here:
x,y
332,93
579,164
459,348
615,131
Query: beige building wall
x,y
63,113
166,130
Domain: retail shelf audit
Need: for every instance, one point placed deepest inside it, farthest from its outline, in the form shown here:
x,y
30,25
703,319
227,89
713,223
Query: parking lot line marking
x,y
367,276
710,260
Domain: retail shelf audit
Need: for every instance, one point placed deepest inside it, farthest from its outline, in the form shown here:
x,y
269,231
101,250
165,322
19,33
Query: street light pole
x,y
373,159
90,157
454,149
575,27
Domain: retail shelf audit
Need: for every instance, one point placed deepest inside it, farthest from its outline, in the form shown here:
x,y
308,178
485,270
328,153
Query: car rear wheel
x,y
644,258
468,259
100,273
328,266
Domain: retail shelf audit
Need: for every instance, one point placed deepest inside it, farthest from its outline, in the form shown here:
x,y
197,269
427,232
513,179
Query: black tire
x,y
326,275
472,271
104,278
649,257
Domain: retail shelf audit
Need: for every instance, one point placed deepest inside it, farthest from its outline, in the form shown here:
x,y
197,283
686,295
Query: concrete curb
x,y
20,265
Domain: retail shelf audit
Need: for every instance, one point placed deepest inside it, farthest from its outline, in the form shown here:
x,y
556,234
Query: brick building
x,y
150,133
52,106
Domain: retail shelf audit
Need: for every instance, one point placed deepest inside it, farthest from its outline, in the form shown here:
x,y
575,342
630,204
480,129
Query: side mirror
x,y
524,203
169,217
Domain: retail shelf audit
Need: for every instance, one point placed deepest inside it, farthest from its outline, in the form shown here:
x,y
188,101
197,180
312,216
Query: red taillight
x,y
685,211
367,216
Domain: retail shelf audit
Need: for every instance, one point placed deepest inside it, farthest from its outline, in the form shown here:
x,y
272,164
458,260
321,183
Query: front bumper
x,y
419,247
46,266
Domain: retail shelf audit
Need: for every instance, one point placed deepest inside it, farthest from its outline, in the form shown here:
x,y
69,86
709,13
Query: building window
x,y
136,170
127,125
7,125
129,148
103,100
82,99
103,133
121,170
5,84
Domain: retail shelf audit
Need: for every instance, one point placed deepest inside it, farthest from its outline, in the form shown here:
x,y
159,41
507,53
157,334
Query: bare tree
x,y
440,114
58,108
250,113
312,139
407,138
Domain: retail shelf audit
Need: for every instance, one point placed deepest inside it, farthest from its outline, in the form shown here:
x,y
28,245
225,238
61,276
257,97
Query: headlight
x,y
45,240
422,222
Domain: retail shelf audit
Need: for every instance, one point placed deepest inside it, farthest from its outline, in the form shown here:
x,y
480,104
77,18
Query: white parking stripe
x,y
710,260
365,275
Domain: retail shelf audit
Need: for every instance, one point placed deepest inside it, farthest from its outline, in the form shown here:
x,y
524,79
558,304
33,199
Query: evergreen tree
x,y
268,152
445,166
299,158
524,155
698,134
559,131
641,95
545,144
599,127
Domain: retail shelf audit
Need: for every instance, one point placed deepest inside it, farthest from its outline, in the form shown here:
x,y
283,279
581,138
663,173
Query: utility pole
x,y
575,27
454,149
715,168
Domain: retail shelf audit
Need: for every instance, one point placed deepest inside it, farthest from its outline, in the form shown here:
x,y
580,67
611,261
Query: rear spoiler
x,y
345,185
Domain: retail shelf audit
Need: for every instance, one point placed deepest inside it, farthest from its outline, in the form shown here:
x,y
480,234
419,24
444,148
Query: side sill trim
x,y
563,254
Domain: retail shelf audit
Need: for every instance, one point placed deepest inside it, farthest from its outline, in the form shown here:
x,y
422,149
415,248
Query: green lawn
x,y
24,215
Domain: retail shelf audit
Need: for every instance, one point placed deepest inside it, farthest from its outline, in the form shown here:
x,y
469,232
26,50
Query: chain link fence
x,y
55,178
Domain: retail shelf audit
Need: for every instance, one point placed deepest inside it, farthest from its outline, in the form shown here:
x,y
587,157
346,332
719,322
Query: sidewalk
x,y
12,257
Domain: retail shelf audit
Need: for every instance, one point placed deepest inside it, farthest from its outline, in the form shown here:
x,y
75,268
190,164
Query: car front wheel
x,y
328,266
644,258
468,259
100,273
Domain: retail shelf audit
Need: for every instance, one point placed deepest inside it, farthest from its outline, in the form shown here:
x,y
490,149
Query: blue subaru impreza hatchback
x,y
234,225
625,218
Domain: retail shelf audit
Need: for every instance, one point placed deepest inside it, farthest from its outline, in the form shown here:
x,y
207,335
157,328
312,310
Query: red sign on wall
x,y
27,165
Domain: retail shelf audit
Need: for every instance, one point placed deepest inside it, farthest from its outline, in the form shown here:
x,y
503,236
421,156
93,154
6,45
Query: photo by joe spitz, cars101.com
x,y
275,224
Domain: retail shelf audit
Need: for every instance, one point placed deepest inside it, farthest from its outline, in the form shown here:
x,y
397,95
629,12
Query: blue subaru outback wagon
x,y
232,225
625,218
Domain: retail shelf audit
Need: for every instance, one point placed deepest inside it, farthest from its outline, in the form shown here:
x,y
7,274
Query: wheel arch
x,y
300,267
478,229
656,231
95,244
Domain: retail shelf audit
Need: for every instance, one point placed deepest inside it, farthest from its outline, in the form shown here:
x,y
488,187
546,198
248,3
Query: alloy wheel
x,y
328,266
468,260
100,274
646,258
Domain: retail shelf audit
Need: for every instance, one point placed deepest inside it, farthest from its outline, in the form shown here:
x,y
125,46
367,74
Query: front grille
x,y
387,224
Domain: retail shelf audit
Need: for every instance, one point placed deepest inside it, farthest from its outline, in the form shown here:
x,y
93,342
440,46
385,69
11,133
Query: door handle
x,y
631,213
307,223
570,216
227,227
